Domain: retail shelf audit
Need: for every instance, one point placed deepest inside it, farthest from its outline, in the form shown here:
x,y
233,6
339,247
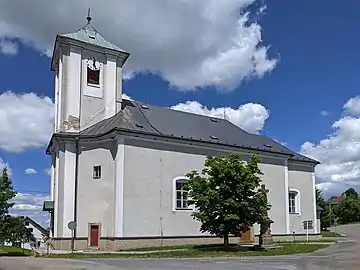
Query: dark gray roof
x,y
48,206
35,224
160,121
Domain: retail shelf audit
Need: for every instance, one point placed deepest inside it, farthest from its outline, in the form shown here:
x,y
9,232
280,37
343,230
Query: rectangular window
x,y
181,196
292,202
93,76
97,172
26,223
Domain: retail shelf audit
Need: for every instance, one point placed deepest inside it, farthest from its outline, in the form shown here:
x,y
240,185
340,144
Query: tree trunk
x,y
226,240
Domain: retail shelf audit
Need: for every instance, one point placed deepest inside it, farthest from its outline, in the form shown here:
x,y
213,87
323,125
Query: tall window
x,y
292,202
181,195
97,172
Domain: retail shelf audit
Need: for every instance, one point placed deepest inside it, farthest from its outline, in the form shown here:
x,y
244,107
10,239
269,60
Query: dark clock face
x,y
93,64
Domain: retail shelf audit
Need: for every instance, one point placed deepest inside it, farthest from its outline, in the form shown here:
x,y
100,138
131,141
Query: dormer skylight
x,y
139,125
267,145
213,120
214,137
144,106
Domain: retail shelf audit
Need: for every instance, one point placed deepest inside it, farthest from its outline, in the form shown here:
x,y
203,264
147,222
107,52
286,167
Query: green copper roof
x,y
90,35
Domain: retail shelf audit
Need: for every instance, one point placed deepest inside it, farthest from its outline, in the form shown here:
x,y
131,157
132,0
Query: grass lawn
x,y
14,251
330,234
204,251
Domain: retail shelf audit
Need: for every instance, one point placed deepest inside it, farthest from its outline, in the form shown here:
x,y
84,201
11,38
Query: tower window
x,y
97,172
93,76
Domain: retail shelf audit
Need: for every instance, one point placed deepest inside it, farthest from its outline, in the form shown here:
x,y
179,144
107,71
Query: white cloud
x,y
30,171
47,171
324,113
250,116
3,165
31,205
189,43
30,201
26,121
125,96
282,143
339,153
352,106
8,47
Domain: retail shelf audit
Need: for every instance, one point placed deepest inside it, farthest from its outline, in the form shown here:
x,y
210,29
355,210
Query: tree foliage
x,y
226,195
351,192
15,231
6,194
348,210
12,229
326,215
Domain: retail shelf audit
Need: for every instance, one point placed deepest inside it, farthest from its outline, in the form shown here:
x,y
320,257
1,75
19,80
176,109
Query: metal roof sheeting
x,y
136,117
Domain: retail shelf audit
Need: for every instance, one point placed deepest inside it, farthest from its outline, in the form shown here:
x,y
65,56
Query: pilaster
x,y
119,188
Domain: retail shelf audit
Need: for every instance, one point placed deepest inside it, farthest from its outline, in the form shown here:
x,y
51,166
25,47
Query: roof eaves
x,y
35,224
113,133
116,51
300,158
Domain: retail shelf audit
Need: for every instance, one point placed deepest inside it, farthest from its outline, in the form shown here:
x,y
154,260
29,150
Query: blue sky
x,y
306,96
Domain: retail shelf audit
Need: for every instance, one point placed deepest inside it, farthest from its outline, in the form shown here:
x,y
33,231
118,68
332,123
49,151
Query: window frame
x,y
97,73
95,176
176,180
296,201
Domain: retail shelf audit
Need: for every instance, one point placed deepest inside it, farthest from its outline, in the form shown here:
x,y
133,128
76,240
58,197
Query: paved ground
x,y
342,256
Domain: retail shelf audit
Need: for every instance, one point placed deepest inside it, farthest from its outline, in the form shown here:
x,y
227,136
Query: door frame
x,y
89,233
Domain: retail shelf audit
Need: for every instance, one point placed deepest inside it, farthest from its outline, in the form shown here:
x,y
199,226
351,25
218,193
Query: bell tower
x,y
88,78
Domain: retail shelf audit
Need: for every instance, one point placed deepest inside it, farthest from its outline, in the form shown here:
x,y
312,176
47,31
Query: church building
x,y
118,166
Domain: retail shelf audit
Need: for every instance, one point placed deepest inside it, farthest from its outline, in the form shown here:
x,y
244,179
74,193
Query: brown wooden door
x,y
94,235
246,237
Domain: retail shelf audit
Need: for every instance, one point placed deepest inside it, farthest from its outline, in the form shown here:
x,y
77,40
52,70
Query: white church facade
x,y
118,165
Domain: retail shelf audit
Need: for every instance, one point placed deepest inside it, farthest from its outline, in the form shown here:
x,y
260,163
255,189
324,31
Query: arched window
x,y
294,201
181,197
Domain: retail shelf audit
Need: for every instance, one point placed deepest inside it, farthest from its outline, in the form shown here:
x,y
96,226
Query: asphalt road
x,y
342,256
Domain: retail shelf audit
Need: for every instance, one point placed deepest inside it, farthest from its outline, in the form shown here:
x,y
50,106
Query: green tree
x,y
16,231
351,192
6,194
226,195
348,210
326,214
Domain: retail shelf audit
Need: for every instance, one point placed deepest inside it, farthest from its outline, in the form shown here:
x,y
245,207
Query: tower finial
x,y
88,18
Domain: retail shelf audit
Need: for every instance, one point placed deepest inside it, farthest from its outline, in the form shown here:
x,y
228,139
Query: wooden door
x,y
94,235
246,237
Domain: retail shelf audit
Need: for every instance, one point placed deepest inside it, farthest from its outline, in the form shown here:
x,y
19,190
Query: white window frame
x,y
95,176
100,69
182,179
297,201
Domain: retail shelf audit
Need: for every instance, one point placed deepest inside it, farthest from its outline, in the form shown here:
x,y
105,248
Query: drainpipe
x,y
76,186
